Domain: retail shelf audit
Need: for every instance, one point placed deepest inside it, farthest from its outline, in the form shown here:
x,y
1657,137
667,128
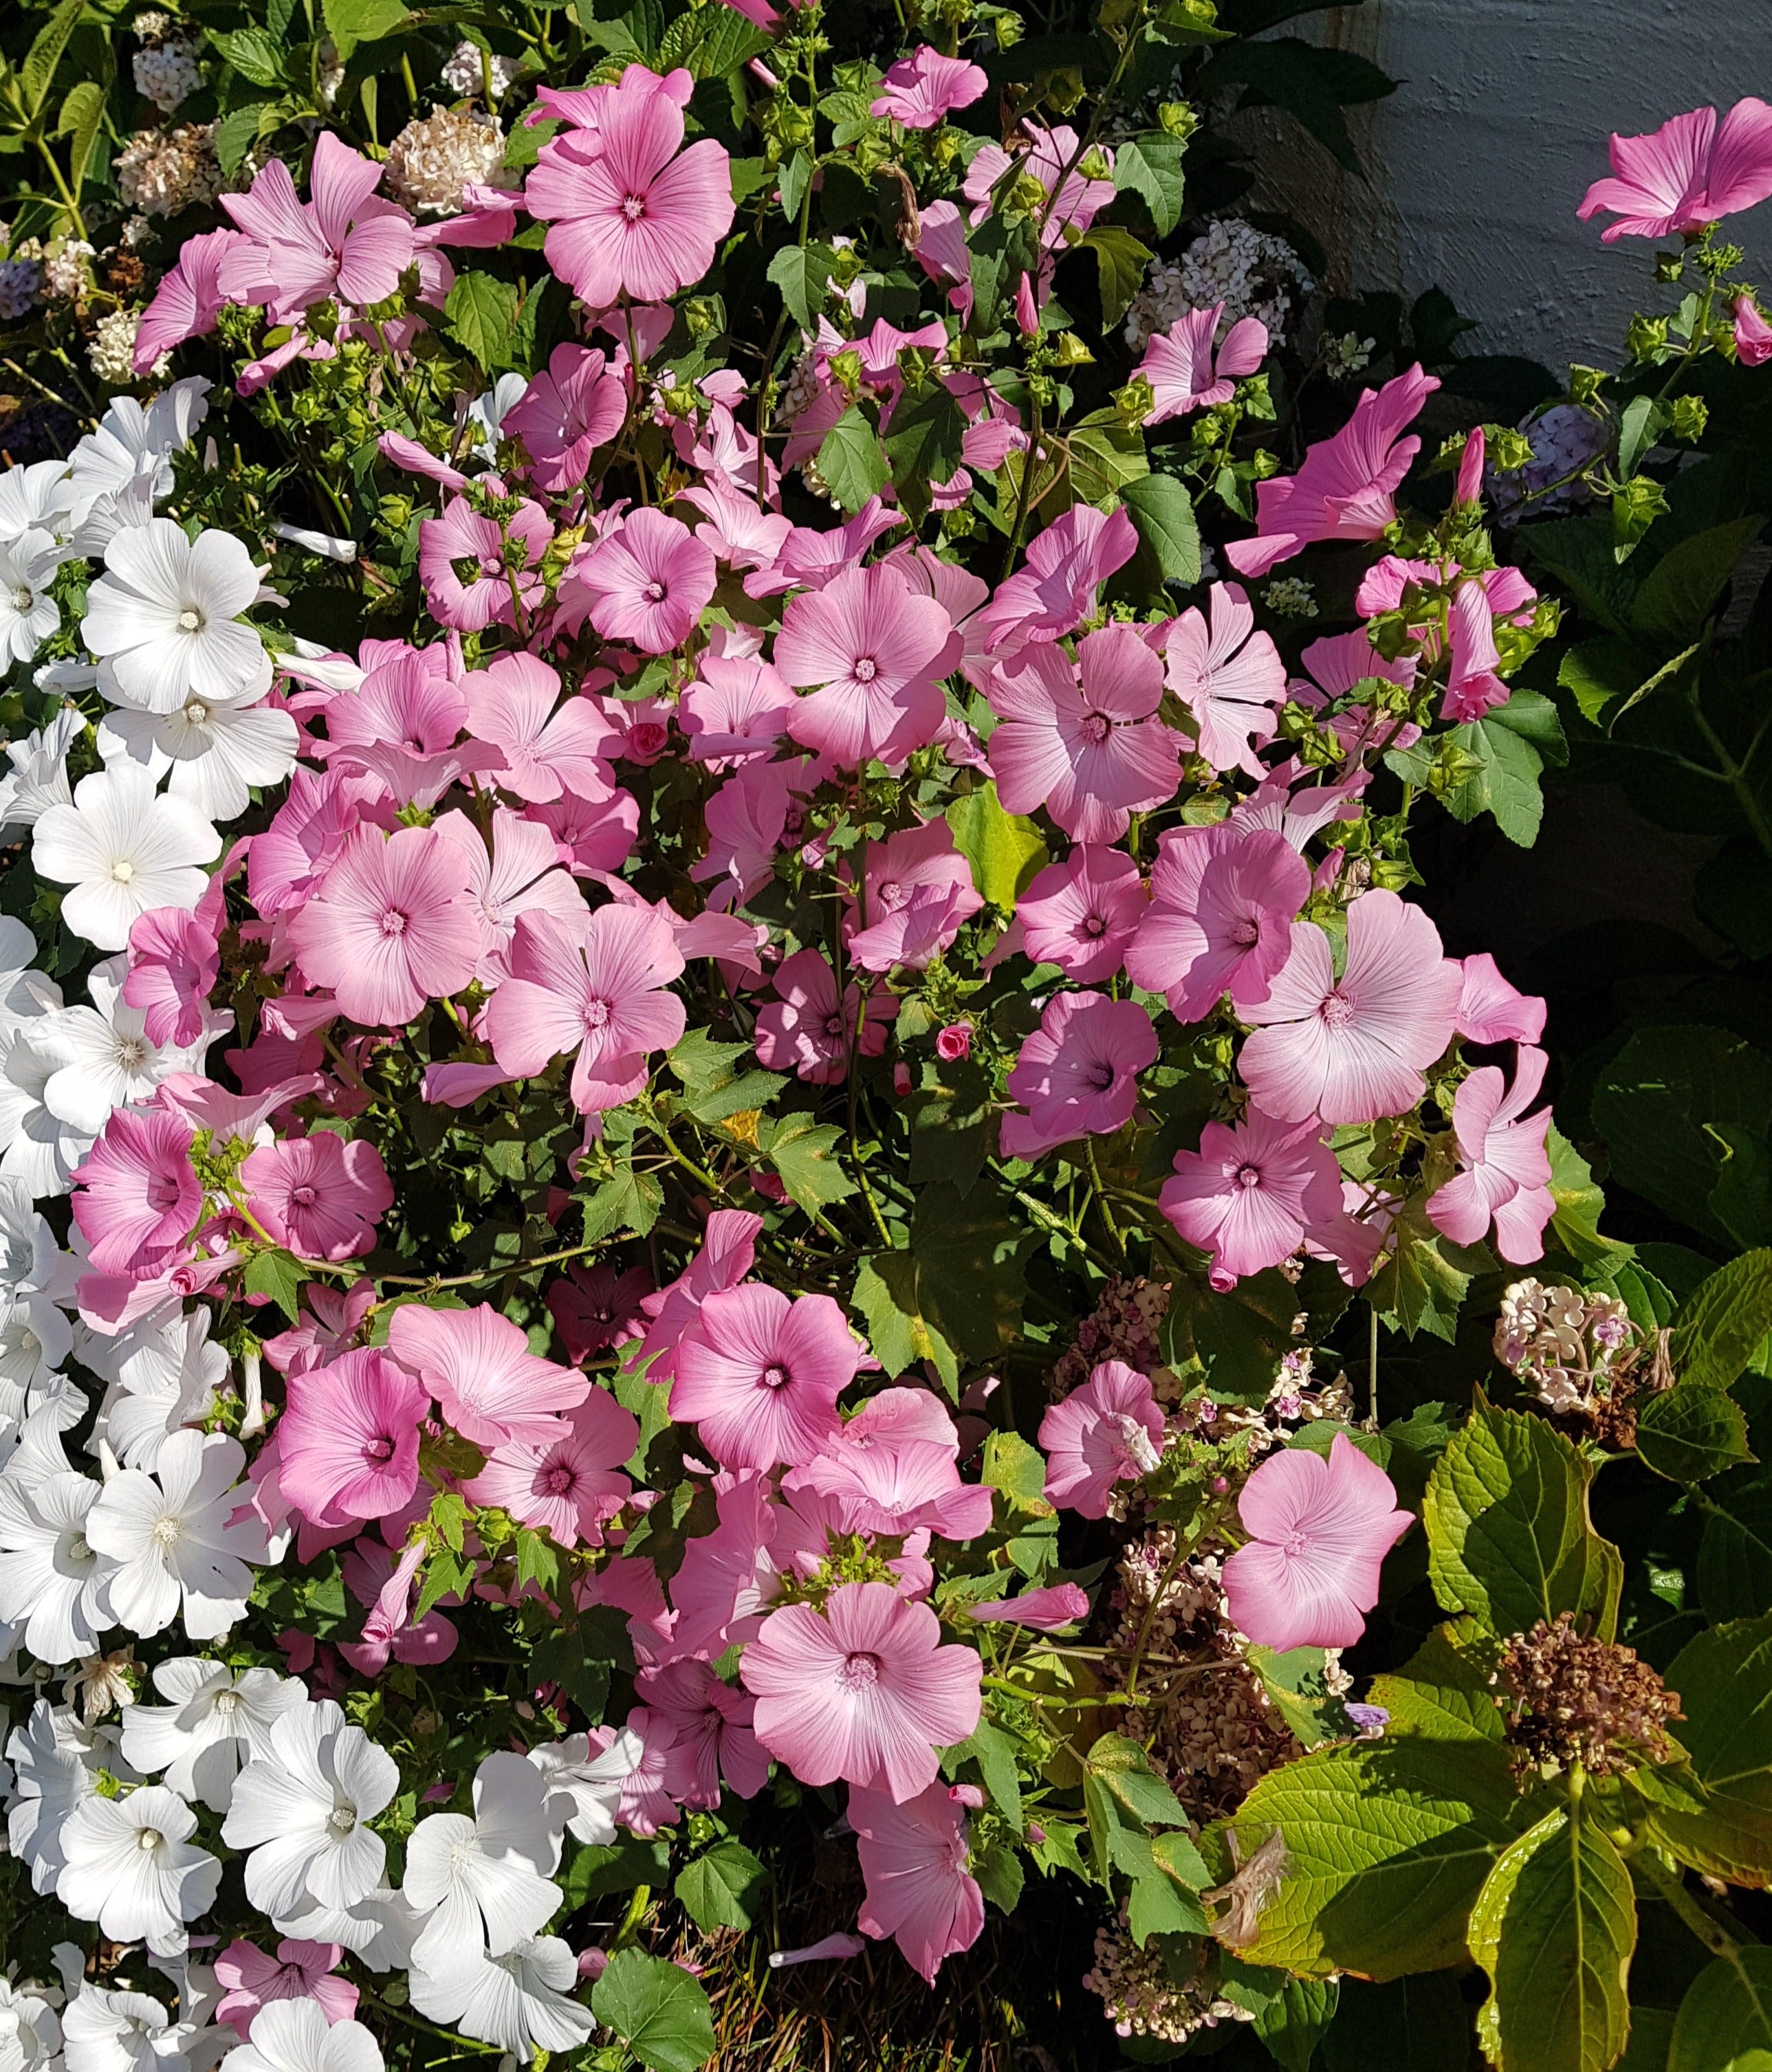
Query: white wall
x,y
1479,159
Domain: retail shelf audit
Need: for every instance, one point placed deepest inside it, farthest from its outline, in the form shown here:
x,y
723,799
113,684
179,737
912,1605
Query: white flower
x,y
129,1865
331,546
35,1338
133,438
486,413
124,850
484,1881
30,2028
303,1811
51,1578
28,614
38,779
55,1761
517,2000
164,620
29,1258
584,1790
216,1720
36,499
166,1378
172,1539
377,1930
465,72
216,752
294,2036
110,1061
122,2033
36,1147
115,512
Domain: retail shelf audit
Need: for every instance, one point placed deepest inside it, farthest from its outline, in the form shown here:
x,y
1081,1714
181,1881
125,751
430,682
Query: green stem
x,y
1670,1887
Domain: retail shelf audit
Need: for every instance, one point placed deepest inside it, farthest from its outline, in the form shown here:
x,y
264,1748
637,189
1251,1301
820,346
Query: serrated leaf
x,y
1124,1769
1000,1877
1726,2014
1120,261
1106,455
1691,1432
481,316
1681,590
885,1296
1151,168
802,1153
37,74
1735,1553
596,1869
722,1887
81,113
657,2010
1722,1321
353,22
1421,1287
803,274
1443,1693
1581,1202
968,1254
278,1277
628,1201
712,1091
710,42
254,53
994,1753
1158,1904
1005,852
237,132
923,443
850,460
1714,1811
1163,513
1016,1469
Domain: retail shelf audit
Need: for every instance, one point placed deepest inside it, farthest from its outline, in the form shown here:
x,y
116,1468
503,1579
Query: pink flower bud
x,y
901,1080
955,1042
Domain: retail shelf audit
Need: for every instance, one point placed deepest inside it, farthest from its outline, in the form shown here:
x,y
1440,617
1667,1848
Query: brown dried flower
x,y
1569,1700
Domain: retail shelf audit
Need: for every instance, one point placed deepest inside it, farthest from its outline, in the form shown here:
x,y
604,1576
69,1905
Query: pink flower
x,y
728,1578
1249,1194
919,890
1752,333
174,963
1223,901
299,1971
385,1589
808,1029
136,1198
1229,681
1354,1050
1055,590
648,582
594,1306
714,1742
875,648
348,1443
1492,1011
479,571
598,990
1081,914
1507,1170
954,1042
522,875
329,1323
511,704
568,1483
1052,156
865,1692
1468,487
317,1196
1083,739
1319,1531
348,244
925,87
1687,174
1110,1430
1180,365
391,925
188,300
760,1375
634,215
488,1384
1343,490
914,1861
565,415
1078,1073
1473,686
595,824
1046,1609
729,1251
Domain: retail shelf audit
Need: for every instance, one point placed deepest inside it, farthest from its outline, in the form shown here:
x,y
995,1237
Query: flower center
x,y
190,620
1336,1012
149,1838
774,1375
596,1014
227,1703
1094,927
833,1025
196,712
859,1671
379,1449
393,922
634,208
167,1531
122,870
22,599
492,567
132,1053
77,1548
1246,933
1249,1176
1096,726
892,895
654,592
1100,1075
865,669
342,1819
303,1197
1294,1546
558,1480
163,1192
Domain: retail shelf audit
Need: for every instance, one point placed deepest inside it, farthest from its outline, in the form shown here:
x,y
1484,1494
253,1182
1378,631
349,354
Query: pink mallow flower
x,y
1343,490
1472,685
1491,1010
918,893
646,581
564,414
1223,900
633,214
1082,739
1083,913
250,1980
511,703
488,1384
174,961
1354,1048
715,1742
317,1196
1047,1610
1319,1530
348,244
392,927
1231,679
1507,1179
920,90
1078,1073
1184,371
599,989
809,1029
920,1890
347,1442
569,1484
869,650
760,1375
1687,174
1109,1431
479,571
864,1692
187,301
596,1307
137,1197
1248,1195
1752,333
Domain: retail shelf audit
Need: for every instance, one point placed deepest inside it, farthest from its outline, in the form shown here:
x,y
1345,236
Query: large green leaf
x,y
1005,852
1722,1321
1442,1693
803,274
1509,1539
1161,509
1679,592
850,460
1690,1433
353,22
482,315
886,1299
923,443
1726,2013
804,1154
1715,1811
968,1268
1295,2021
1390,1843
1735,1553
1151,168
1554,1927
722,1887
657,2010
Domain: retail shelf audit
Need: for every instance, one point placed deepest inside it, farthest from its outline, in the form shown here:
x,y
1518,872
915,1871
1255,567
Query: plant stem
x,y
1671,1887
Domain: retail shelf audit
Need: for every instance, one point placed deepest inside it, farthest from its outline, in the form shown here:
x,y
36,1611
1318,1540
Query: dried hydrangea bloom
x,y
1571,1699
429,163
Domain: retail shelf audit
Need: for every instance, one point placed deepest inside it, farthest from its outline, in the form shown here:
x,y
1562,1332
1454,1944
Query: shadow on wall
x,y
1477,163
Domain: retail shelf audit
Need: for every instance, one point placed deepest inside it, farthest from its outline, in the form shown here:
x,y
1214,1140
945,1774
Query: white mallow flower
x,y
216,753
51,1577
484,1881
36,499
38,779
29,1258
130,1864
133,438
125,850
166,1378
36,1148
304,1810
28,614
35,1338
122,2032
105,517
110,1061
215,1721
56,1759
377,1930
517,2000
584,1790
174,1538
164,620
29,2027
294,2036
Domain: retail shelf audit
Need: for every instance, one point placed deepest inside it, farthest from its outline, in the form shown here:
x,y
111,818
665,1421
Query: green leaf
x,y
1390,1842
657,2010
1158,1904
354,22
482,315
1161,509
1415,2024
1123,1767
81,113
1690,1433
803,273
1421,1287
1578,552
627,1201
277,1276
1554,1926
712,1091
254,53
710,42
1005,852
1506,785
1509,1539
994,1753
886,1298
1443,1693
1001,251
238,131
37,74
1722,1321
969,1256
1726,2013
1603,671
1580,1205
1106,456
722,1887
1735,1553
1151,168
1680,591
1715,1811
1018,1471
924,444
1645,418
597,1869
850,460
800,1150
1000,1877
1296,2020
1120,261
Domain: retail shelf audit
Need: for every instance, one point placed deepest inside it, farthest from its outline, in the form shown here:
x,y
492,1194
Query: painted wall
x,y
1479,159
